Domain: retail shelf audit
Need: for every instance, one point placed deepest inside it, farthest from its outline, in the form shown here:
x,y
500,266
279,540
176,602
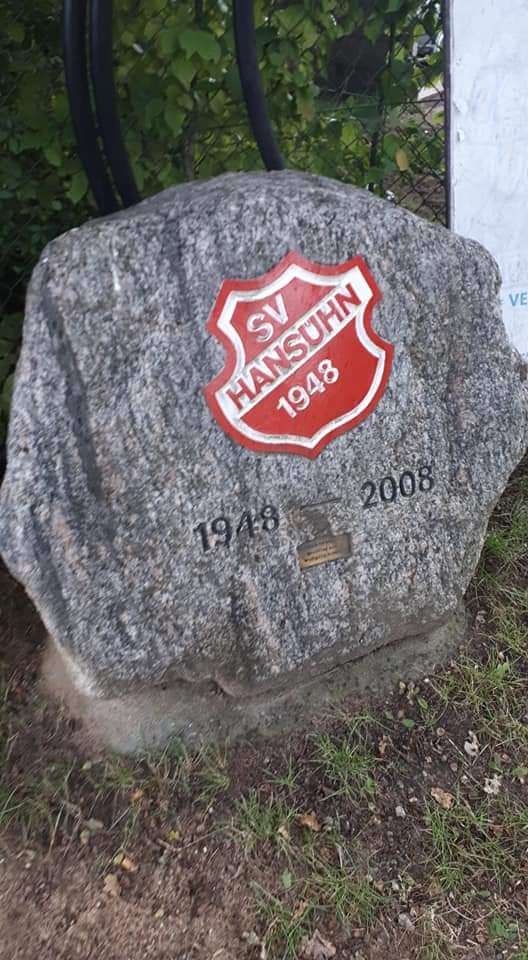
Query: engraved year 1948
x,y
220,531
389,488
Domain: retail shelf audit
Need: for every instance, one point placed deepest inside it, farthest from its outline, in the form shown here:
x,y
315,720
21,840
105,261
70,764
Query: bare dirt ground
x,y
398,832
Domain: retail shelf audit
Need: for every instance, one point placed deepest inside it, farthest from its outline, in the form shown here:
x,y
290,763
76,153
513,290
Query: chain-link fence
x,y
355,92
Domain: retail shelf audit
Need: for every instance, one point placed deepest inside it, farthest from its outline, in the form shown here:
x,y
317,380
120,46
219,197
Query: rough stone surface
x,y
146,719
114,457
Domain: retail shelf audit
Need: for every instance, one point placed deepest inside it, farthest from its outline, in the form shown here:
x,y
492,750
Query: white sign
x,y
489,142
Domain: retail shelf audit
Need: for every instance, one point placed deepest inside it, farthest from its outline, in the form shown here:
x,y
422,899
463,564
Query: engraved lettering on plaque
x,y
323,550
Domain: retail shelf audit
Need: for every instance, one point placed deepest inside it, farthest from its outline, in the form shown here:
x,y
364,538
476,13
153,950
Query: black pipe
x,y
77,88
105,100
246,54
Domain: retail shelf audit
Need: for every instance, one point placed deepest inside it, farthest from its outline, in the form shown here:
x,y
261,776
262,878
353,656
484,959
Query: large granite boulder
x,y
159,542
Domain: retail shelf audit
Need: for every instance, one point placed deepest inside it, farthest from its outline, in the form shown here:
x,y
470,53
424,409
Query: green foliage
x,y
477,846
183,116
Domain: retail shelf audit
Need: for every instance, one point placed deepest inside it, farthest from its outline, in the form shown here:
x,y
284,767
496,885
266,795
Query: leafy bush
x,y
183,116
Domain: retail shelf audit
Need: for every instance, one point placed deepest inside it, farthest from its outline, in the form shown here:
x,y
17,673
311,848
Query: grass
x,y
39,805
311,832
264,820
289,778
491,689
337,890
285,924
478,846
347,762
175,770
346,892
212,774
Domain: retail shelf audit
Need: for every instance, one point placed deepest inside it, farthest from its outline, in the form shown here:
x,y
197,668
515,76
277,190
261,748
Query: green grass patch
x,y
493,691
285,922
477,848
348,762
348,894
264,819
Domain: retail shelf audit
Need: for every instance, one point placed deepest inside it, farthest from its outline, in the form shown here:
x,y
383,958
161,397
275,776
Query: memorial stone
x,y
259,426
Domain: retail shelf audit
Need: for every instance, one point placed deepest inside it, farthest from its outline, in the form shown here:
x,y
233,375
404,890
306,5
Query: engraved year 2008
x,y
389,488
220,531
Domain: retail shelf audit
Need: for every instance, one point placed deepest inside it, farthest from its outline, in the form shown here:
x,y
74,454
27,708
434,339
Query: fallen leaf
x,y
84,837
137,795
94,825
126,864
402,159
382,745
446,800
283,831
251,938
309,820
316,947
472,746
492,785
299,909
112,885
287,880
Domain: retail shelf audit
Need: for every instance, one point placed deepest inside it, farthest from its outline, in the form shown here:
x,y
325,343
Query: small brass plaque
x,y
324,549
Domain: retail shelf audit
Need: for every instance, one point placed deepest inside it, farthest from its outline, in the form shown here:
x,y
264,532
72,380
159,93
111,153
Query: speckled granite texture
x,y
114,457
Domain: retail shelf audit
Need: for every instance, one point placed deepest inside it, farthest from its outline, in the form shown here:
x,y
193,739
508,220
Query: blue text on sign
x,y
519,299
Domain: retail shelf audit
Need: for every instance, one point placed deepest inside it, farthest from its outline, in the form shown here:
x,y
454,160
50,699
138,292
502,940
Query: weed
x,y
349,895
430,714
348,764
435,950
260,820
500,928
286,924
211,774
476,846
491,690
9,804
511,632
289,779
170,769
6,735
506,542
40,803
175,768
119,776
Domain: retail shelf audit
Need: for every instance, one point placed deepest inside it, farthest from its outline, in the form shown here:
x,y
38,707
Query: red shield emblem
x,y
303,364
